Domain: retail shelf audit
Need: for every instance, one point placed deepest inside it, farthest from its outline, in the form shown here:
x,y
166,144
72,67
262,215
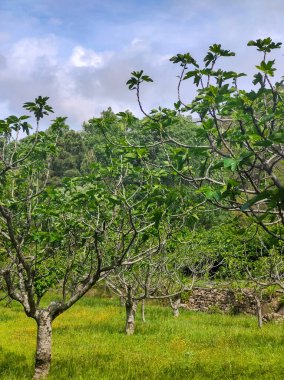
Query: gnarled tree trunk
x,y
43,347
130,307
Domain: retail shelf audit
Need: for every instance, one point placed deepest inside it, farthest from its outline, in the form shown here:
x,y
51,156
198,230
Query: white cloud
x,y
88,58
84,75
30,54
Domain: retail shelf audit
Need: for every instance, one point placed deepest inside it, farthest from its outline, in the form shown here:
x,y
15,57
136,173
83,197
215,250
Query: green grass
x,y
89,343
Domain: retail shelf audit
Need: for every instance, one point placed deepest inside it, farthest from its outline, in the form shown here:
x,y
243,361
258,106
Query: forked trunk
x,y
43,347
130,307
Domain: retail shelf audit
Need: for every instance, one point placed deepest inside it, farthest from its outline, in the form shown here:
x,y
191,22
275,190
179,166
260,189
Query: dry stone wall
x,y
228,301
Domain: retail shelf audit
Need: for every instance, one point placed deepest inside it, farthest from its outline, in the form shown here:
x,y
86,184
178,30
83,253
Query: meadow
x,y
89,343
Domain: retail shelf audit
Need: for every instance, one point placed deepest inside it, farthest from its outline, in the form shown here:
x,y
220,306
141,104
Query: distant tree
x,y
10,135
182,263
69,157
158,276
97,146
259,266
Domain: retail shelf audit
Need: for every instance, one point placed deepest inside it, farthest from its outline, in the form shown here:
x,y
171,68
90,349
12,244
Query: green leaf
x,y
39,107
210,193
265,45
231,163
191,74
131,155
146,78
184,60
267,67
258,78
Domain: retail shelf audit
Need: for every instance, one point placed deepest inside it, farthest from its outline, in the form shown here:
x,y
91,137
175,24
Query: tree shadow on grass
x,y
14,366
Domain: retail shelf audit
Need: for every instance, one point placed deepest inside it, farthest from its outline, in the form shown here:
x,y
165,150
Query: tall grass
x,y
89,343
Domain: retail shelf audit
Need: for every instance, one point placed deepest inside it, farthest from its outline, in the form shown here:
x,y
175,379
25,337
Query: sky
x,y
80,53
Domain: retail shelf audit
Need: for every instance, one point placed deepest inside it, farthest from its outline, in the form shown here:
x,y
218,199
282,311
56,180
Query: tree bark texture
x,y
143,310
259,312
43,347
130,307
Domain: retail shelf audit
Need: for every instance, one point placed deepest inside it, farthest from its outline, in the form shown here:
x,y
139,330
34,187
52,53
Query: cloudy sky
x,y
80,53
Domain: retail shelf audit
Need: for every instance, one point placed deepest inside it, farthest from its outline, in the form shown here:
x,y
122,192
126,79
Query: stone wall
x,y
228,301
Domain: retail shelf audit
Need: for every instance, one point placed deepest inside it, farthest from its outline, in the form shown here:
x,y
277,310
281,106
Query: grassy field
x,y
89,343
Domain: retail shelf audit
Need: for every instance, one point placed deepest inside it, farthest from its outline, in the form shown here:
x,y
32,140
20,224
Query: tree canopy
x,y
242,131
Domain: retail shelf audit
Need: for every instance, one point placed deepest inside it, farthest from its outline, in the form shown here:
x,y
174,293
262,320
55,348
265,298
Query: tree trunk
x,y
43,347
175,304
130,307
143,310
259,312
